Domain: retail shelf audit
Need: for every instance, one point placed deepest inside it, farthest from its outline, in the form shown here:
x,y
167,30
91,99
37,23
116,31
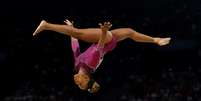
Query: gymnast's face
x,y
81,80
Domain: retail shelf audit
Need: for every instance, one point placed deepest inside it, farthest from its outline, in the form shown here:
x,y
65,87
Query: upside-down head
x,y
85,82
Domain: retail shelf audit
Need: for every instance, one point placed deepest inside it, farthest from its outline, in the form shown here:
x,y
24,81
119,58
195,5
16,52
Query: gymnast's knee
x,y
130,31
75,32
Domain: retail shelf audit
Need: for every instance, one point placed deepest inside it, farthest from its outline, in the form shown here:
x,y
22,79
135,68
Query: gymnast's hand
x,y
68,22
106,26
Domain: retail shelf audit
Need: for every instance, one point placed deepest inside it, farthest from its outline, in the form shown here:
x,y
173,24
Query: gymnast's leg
x,y
88,35
123,33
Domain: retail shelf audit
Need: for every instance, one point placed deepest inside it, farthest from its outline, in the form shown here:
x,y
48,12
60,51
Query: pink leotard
x,y
92,57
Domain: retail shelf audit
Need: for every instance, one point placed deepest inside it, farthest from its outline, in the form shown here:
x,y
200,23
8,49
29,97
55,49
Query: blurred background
x,y
41,68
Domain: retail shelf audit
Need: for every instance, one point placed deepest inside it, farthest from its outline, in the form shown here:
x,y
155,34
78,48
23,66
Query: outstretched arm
x,y
105,27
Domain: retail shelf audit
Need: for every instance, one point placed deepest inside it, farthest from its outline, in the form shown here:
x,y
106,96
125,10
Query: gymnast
x,y
103,39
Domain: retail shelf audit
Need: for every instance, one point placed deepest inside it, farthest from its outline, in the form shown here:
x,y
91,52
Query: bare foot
x,y
40,27
162,41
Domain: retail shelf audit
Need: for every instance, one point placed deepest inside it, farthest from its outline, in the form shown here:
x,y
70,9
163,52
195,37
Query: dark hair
x,y
90,84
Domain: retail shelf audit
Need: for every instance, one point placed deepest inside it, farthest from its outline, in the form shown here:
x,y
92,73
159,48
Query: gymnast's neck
x,y
83,71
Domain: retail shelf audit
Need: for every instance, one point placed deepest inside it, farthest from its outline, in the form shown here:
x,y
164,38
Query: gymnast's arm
x,y
105,27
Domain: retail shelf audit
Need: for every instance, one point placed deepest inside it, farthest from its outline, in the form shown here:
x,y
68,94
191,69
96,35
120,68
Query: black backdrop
x,y
41,67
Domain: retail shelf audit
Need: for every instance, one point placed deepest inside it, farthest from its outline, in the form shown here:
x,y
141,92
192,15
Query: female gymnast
x,y
103,41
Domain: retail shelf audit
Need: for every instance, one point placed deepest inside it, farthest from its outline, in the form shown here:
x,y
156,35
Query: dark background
x,y
41,68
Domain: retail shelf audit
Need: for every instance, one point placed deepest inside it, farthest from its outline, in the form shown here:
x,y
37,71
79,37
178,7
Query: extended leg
x,y
124,33
88,35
